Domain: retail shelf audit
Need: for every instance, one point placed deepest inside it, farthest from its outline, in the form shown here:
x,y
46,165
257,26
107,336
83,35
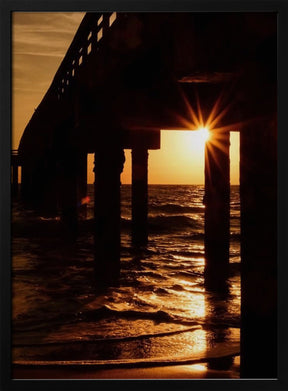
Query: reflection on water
x,y
199,367
159,313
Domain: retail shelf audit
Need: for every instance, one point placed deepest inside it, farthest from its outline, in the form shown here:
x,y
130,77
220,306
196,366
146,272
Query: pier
x,y
125,77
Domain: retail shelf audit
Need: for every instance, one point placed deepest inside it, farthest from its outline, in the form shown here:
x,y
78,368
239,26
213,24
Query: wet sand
x,y
195,371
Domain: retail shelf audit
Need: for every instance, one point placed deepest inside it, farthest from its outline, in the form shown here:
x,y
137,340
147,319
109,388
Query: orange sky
x,y
180,160
39,43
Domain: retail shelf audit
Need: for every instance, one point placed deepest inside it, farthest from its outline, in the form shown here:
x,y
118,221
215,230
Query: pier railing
x,y
88,39
15,158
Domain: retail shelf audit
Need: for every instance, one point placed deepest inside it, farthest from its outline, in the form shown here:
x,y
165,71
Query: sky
x,y
39,43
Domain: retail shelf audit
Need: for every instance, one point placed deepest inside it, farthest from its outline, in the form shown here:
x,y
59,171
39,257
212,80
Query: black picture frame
x,y
7,7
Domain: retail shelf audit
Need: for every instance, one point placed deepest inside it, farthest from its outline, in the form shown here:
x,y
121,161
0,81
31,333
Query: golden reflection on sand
x,y
198,367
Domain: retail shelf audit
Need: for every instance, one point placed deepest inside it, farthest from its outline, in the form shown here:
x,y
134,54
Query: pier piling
x,y
139,196
68,195
82,185
107,170
217,210
258,191
14,179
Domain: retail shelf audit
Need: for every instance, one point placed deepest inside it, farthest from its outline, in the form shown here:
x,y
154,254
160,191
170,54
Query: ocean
x,y
160,314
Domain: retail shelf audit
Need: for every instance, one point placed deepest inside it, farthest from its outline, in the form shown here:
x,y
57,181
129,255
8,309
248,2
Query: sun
x,y
203,134
199,137
191,142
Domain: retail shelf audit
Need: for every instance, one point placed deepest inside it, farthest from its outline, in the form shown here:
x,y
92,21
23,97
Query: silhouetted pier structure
x,y
125,77
15,164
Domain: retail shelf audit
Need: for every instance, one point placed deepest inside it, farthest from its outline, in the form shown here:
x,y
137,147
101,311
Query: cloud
x,y
39,43
47,21
47,33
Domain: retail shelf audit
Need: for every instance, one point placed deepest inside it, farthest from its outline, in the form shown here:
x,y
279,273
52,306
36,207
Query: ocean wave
x,y
106,310
188,275
166,223
146,304
175,208
186,254
161,316
90,340
172,223
36,227
23,326
219,351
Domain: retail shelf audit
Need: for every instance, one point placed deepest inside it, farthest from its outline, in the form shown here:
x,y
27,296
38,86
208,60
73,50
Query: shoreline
x,y
79,372
172,372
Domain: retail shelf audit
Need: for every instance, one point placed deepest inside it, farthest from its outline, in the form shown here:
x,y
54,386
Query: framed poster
x,y
146,203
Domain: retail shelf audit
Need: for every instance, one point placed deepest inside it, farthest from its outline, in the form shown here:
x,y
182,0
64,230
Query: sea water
x,y
159,314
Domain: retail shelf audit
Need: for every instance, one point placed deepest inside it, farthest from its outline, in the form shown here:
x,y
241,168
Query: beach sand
x,y
194,371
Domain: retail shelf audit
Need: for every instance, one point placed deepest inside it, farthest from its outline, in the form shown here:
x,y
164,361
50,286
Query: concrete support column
x,y
217,210
139,196
258,192
108,167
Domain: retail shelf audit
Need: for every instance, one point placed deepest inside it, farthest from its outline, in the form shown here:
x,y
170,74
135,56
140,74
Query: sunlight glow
x,y
199,367
194,142
203,134
214,134
181,159
197,343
